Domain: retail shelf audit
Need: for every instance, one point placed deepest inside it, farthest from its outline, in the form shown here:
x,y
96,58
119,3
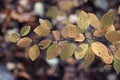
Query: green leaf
x,y
45,43
25,30
13,37
81,51
66,50
116,65
108,18
52,51
89,58
34,52
83,20
24,42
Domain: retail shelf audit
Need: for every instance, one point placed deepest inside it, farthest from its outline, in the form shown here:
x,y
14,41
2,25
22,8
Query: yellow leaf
x,y
100,49
117,54
81,51
45,23
66,5
103,31
52,51
69,31
113,36
25,30
66,50
117,45
79,37
108,59
56,34
13,37
108,18
89,58
34,52
94,21
42,30
83,20
24,42
45,43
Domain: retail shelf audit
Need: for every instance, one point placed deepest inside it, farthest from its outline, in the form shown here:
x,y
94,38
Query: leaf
x,y
66,5
52,51
24,42
25,30
108,59
94,21
89,58
108,18
81,51
66,50
83,20
45,43
113,36
52,12
69,31
34,52
117,54
103,31
79,37
45,23
13,37
116,65
56,34
42,31
100,49
117,45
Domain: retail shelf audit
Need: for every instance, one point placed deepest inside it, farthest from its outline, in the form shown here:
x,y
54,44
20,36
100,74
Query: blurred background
x,y
14,61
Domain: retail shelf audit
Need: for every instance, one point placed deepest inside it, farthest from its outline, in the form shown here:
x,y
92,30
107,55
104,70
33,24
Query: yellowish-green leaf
x,y
100,49
108,18
66,50
69,31
45,23
113,36
83,20
89,58
52,51
56,34
45,43
52,12
25,30
42,30
34,52
24,42
116,65
81,51
94,21
13,37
